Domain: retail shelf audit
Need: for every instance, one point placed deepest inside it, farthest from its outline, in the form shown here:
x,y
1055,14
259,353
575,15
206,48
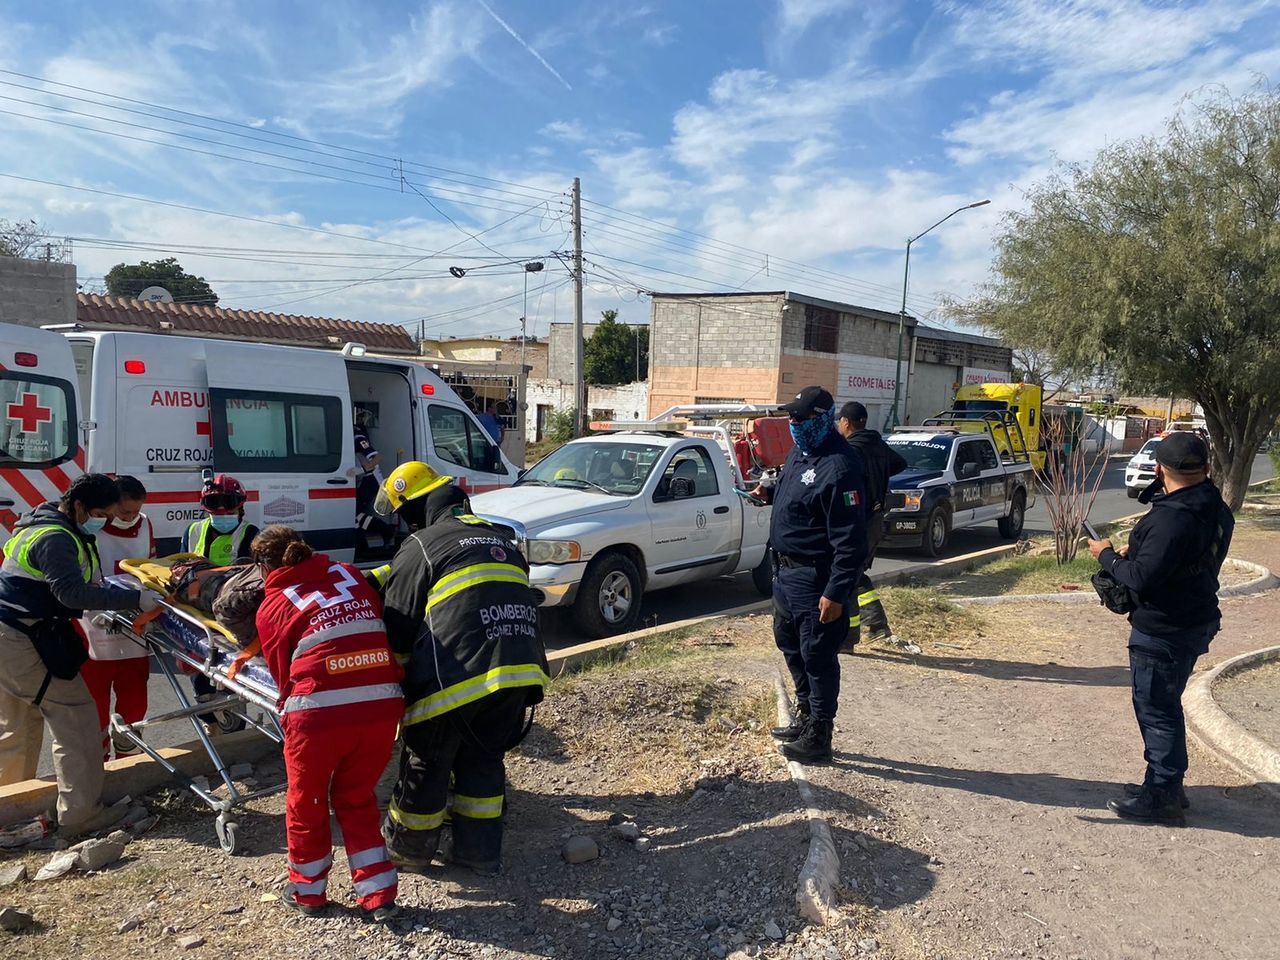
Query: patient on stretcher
x,y
231,595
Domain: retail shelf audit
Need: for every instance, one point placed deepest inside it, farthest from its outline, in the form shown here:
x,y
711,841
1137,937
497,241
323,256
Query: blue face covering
x,y
224,522
92,525
810,434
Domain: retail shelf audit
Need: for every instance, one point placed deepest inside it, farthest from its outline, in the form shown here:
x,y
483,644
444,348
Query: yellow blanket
x,y
154,575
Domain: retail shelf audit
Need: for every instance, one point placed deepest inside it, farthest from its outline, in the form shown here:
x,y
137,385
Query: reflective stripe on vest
x,y
473,576
337,632
18,549
855,621
218,552
379,575
342,697
499,678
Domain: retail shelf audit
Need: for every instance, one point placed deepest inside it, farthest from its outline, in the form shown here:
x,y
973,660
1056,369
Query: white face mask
x,y
126,525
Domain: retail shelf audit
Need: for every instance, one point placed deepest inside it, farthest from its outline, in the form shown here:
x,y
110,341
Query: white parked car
x,y
606,518
1141,469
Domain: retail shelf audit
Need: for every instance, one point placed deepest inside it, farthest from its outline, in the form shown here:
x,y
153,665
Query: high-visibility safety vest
x,y
24,585
222,549
459,607
323,638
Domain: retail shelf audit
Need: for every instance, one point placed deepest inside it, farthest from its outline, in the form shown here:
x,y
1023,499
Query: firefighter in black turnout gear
x,y
879,462
461,618
819,540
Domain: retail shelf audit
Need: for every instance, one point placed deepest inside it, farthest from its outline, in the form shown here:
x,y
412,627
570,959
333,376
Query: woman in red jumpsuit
x,y
322,636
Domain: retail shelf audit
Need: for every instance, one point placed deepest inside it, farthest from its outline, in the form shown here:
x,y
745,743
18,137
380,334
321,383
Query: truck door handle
x,y
720,510
6,503
337,481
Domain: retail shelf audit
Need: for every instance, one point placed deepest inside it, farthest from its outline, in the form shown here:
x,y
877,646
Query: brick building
x,y
763,347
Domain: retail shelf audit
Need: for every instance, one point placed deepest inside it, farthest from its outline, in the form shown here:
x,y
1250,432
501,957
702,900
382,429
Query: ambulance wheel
x,y
1011,526
762,575
937,530
609,597
228,832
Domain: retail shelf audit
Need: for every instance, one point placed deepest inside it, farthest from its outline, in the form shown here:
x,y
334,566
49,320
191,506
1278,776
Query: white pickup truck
x,y
641,507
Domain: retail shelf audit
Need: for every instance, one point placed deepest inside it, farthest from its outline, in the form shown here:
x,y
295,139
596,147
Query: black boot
x,y
813,745
794,729
1133,789
1151,805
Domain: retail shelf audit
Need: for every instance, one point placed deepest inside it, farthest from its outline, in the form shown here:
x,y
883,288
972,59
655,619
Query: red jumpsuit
x,y
322,636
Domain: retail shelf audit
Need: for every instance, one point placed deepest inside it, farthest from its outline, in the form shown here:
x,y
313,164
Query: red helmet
x,y
223,493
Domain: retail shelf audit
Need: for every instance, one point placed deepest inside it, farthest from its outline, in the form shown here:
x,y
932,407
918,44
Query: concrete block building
x,y
763,347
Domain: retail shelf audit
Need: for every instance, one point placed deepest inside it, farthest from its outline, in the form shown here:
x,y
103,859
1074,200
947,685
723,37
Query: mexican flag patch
x,y
852,499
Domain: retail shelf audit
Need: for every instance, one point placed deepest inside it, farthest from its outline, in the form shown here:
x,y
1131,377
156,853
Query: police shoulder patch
x,y
498,553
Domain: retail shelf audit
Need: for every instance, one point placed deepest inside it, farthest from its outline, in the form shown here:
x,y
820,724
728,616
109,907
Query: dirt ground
x,y
967,802
1252,699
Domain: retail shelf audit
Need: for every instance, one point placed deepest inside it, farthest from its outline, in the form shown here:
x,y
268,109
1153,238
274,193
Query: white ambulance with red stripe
x,y
162,407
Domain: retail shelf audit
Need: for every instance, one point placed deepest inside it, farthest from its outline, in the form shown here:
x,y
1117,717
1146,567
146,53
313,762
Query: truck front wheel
x,y
937,530
608,600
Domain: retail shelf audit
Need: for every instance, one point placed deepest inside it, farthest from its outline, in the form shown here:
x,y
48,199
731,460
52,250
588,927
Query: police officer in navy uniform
x,y
819,539
1170,568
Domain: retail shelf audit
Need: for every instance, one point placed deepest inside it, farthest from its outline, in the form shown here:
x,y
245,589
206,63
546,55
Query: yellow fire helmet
x,y
407,482
566,473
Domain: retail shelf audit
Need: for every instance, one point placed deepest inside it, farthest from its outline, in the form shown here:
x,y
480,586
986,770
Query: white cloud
x,y
796,16
660,35
569,131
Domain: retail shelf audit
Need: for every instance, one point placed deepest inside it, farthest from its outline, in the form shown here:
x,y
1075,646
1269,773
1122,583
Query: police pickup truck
x,y
954,479
637,507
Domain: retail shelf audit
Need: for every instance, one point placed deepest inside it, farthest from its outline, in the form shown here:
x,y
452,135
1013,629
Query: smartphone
x,y
1088,528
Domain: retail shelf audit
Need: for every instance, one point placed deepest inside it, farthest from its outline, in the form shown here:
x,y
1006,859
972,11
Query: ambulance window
x,y
38,420
259,432
459,439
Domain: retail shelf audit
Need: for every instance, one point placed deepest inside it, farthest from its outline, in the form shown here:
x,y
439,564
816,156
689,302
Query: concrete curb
x,y
571,658
134,776
1263,580
820,876
1223,736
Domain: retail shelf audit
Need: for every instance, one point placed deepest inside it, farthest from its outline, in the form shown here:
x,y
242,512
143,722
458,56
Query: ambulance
x,y
163,407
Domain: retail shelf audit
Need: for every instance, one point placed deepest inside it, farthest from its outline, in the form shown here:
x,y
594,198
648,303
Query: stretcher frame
x,y
237,696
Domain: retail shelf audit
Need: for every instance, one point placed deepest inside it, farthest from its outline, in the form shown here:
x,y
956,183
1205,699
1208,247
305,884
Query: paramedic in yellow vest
x,y
223,538
47,580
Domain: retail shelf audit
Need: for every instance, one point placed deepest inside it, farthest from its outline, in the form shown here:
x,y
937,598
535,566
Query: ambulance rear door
x,y
40,451
281,424
454,441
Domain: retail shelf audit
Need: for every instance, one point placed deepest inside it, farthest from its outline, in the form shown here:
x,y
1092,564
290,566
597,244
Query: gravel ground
x,y
1252,698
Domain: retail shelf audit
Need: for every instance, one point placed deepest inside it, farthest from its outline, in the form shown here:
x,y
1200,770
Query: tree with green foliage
x,y
1157,263
130,279
610,353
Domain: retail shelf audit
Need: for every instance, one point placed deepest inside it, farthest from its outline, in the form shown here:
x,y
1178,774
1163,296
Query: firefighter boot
x,y
795,728
411,850
813,745
1151,805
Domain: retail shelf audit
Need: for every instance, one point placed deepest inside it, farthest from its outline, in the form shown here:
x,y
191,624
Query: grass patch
x,y
926,615
1033,573
652,653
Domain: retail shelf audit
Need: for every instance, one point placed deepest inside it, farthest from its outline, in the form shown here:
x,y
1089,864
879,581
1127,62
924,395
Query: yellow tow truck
x,y
1024,401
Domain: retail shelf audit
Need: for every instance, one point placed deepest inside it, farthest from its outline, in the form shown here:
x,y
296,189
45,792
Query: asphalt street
x,y
702,599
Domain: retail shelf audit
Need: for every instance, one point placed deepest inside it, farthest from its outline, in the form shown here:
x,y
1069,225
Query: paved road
x,y
701,599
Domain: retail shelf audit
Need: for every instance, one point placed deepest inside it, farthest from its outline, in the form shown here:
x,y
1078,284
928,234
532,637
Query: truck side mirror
x,y
968,470
681,488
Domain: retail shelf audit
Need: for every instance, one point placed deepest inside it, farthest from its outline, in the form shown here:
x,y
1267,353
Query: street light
x,y
892,419
533,266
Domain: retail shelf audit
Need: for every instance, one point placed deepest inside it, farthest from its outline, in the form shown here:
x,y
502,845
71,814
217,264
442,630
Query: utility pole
x,y
579,377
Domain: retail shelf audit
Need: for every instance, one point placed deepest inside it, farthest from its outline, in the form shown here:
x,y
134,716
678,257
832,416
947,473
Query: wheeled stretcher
x,y
183,639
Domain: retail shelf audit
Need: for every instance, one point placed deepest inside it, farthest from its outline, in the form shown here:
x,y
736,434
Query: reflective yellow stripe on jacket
x,y
473,576
472,689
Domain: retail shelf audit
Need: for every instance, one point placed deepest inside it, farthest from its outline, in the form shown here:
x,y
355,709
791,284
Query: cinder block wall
x,y
36,292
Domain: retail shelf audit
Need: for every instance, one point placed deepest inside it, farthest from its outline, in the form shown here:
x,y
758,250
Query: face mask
x,y
126,524
92,525
809,435
224,523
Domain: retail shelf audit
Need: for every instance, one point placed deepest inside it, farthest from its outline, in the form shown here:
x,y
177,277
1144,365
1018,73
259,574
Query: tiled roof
x,y
111,313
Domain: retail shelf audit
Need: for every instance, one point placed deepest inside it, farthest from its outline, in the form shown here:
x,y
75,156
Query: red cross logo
x,y
29,413
204,428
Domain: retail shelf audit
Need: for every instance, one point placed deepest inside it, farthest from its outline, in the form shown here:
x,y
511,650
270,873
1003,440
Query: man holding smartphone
x,y
1170,568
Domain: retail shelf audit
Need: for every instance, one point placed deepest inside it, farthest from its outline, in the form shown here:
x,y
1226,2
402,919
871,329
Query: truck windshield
x,y
922,454
974,409
618,469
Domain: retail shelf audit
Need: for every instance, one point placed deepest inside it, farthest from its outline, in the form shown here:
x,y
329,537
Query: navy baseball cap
x,y
1182,451
809,401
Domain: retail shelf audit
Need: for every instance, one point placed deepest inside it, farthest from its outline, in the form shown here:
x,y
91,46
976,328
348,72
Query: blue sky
x,y
723,144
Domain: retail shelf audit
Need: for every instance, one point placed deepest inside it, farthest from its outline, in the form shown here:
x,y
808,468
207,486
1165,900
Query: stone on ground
x,y
579,850
627,831
59,864
14,920
12,873
129,925
191,942
96,854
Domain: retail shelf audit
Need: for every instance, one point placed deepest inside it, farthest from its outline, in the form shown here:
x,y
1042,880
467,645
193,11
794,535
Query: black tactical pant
x,y
1158,682
808,646
460,752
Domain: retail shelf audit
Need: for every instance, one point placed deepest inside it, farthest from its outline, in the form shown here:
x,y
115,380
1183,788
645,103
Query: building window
x,y
821,329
